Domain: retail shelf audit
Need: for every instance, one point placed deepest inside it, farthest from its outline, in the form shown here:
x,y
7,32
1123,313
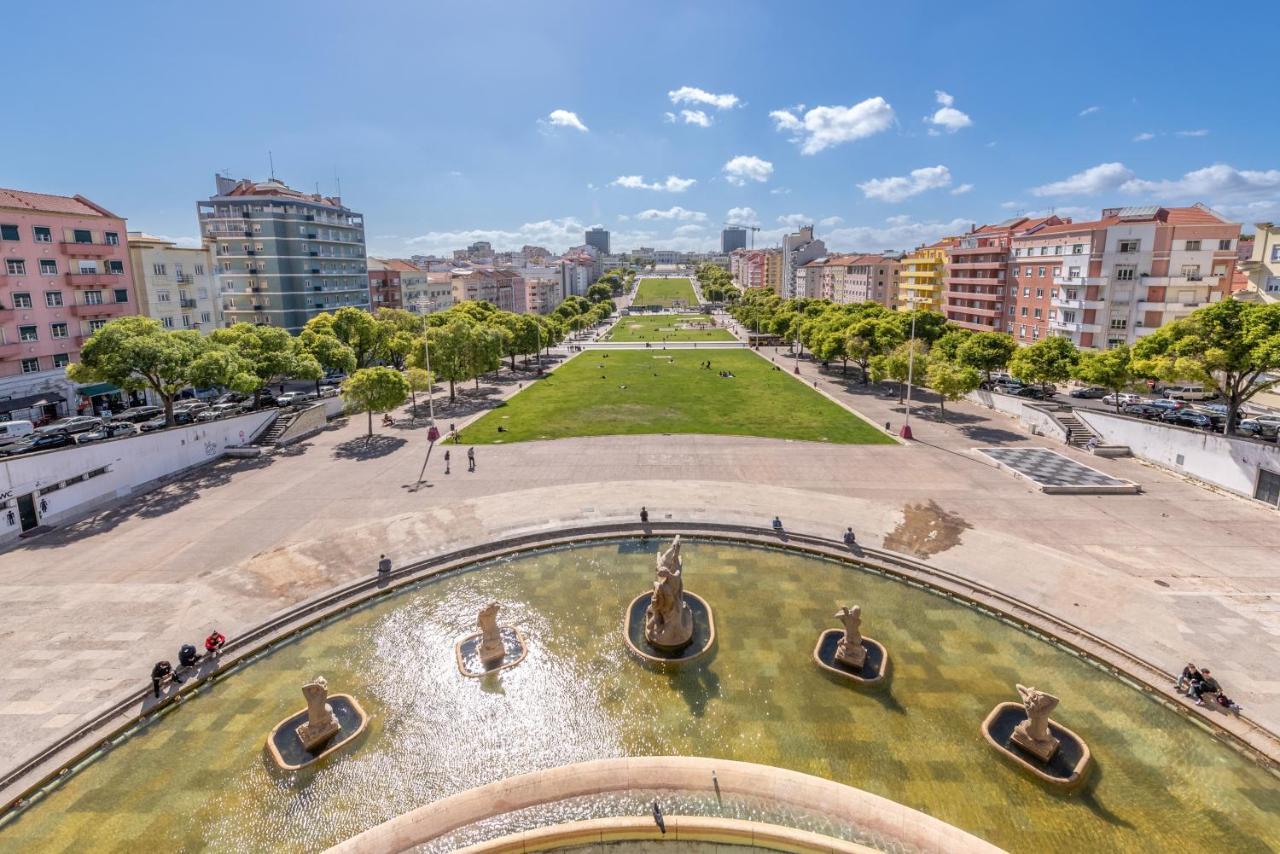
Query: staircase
x,y
269,435
1078,434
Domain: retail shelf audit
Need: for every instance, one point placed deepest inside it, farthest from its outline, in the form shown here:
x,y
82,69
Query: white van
x,y
12,431
1189,392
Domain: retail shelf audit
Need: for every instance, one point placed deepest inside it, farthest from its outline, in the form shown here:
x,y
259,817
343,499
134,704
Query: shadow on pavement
x,y
368,447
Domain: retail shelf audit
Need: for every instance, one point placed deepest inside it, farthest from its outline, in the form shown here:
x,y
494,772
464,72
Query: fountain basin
x,y
1066,768
286,748
467,652
874,667
704,632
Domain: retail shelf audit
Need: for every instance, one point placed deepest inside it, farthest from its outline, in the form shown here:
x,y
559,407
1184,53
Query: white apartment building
x,y
175,284
797,250
426,292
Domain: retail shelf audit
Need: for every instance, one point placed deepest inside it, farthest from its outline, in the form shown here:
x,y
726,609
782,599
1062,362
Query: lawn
x,y
599,393
667,327
664,292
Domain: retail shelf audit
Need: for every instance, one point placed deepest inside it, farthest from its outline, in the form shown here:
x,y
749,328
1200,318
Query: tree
x,y
1047,361
269,352
1229,345
948,344
904,363
951,381
356,328
373,390
137,353
419,379
874,334
330,353
448,346
986,351
598,292
1112,369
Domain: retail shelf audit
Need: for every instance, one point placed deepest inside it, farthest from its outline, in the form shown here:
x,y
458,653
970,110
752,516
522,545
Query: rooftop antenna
x,y
338,181
272,160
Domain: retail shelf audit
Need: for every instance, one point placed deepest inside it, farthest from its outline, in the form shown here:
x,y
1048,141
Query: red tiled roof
x,y
1194,215
400,266
45,203
1069,227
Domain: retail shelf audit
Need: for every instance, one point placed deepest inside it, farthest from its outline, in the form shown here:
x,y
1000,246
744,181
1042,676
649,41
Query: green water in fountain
x,y
197,778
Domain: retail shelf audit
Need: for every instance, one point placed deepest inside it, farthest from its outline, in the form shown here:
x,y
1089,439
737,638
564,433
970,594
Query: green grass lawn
x,y
670,327
664,292
601,393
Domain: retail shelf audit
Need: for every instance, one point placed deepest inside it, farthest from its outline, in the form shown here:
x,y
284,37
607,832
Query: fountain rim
x,y
115,721
657,659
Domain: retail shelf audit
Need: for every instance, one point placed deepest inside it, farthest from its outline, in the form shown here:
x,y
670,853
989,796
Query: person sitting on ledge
x,y
387,420
1190,676
162,670
777,523
1228,703
188,656
214,642
1207,684
849,538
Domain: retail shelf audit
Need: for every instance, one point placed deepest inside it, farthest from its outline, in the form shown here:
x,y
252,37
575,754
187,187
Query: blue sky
x,y
885,124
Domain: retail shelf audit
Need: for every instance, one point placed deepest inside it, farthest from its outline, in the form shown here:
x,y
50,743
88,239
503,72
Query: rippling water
x,y
198,778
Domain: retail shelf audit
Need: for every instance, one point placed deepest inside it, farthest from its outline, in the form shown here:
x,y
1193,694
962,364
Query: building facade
x,y
866,278
385,290
976,275
920,277
426,292
283,256
65,272
798,249
1263,266
174,284
732,238
599,238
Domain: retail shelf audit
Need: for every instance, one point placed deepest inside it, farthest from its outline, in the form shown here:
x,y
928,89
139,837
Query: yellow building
x,y
773,270
920,277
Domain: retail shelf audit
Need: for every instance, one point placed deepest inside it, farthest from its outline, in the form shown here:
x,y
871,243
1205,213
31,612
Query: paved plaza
x,y
1176,573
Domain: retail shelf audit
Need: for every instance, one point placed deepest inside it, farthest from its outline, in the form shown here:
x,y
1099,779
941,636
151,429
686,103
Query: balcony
x,y
962,296
1065,325
989,281
1063,302
1069,281
187,303
97,310
92,280
88,250
184,278
977,264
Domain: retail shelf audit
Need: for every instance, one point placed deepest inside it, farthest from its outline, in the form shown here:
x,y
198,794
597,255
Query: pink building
x,y
65,273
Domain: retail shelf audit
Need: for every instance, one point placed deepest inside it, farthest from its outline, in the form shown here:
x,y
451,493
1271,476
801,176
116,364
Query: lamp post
x,y
433,432
905,433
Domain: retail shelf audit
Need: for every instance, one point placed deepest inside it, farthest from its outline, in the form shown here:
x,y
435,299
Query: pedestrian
x,y
1207,684
446,462
849,538
384,565
777,523
214,642
471,459
162,670
644,515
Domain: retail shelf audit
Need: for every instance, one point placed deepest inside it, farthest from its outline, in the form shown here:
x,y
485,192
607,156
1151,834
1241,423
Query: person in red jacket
x,y
214,642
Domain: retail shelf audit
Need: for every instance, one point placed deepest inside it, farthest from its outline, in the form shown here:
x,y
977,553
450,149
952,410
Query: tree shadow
x,y
991,435
368,447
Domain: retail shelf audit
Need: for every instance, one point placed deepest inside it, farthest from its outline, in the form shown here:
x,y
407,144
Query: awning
x,y
96,389
16,403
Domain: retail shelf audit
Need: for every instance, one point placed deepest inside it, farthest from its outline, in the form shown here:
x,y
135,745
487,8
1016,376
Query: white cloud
x,y
191,242
566,119
780,191
1089,111
696,117
947,116
1197,132
687,230
745,167
1011,206
823,127
676,213
831,221
673,183
1144,137
794,220
669,118
742,216
563,232
694,95
1096,179
898,188
897,232
962,189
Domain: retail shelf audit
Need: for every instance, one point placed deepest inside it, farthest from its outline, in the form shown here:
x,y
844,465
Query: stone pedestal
x,y
852,654
1041,749
314,735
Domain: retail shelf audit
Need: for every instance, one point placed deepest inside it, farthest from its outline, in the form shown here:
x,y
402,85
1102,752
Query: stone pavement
x,y
1176,573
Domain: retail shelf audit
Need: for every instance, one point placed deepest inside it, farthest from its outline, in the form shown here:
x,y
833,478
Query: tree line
x,y
716,283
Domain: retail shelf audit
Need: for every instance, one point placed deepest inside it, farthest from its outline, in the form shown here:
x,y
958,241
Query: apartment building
x,y
426,292
809,278
1263,266
920,277
798,249
577,272
65,273
385,290
865,278
174,284
1050,288
976,274
543,290
486,284
283,256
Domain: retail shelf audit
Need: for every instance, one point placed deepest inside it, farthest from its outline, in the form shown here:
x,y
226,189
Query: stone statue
x,y
1033,733
491,650
322,723
850,649
668,622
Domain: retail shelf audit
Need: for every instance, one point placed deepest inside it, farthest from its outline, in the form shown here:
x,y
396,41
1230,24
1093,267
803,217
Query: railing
x,y
1064,302
184,278
1065,325
187,303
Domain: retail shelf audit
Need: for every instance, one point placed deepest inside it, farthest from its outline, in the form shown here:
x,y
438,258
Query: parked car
x,y
1121,398
109,430
328,391
1164,404
1193,391
191,407
1191,418
12,431
1034,392
220,410
138,414
1143,409
70,426
157,423
294,398
1092,392
232,397
38,442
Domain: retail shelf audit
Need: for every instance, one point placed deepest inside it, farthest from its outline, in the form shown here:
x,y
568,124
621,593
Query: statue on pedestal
x,y
1033,733
668,621
850,649
491,650
322,723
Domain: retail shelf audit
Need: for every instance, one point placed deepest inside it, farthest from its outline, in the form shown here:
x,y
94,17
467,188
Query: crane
x,y
753,228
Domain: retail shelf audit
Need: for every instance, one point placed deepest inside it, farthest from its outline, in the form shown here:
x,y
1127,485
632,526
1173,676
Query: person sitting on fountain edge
x,y
1190,676
777,523
849,538
1206,684
214,642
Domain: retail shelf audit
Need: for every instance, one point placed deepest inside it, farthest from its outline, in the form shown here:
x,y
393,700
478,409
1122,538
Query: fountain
x,y
848,654
326,724
669,624
1023,733
491,649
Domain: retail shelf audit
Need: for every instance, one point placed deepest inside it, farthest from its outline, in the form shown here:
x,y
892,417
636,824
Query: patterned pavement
x,y
1051,469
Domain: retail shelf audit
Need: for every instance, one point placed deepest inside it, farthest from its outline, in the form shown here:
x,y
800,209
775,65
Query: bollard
x,y
888,427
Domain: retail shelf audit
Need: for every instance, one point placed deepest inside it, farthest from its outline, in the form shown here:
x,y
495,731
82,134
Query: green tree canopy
x,y
270,352
951,381
986,351
908,362
137,353
599,291
371,390
1112,369
1049,360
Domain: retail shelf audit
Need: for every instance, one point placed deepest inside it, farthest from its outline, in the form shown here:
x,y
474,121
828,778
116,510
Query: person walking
x,y
471,459
384,565
446,462
162,670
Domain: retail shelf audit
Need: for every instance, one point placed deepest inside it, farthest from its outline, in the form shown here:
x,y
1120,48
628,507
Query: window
x,y
1193,246
121,294
53,299
1017,253
166,322
1077,249
15,266
1125,274
61,360
1191,272
30,366
199,269
28,333
1026,292
1024,311
41,234
1068,317
112,238
186,321
1012,311
1035,332
1224,244
1073,272
1039,293
206,317
1044,250
81,235
22,300
115,268
160,269
9,232
1057,250
162,296
48,267
1037,313
1275,253
95,325
1128,246
1119,323
58,330
1040,272
1022,332
93,297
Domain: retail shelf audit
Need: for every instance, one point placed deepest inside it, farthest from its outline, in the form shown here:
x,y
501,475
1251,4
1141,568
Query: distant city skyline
x,y
662,139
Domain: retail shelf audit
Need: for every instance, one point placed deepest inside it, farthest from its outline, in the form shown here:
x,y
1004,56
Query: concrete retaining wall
x,y
1230,463
68,483
1033,417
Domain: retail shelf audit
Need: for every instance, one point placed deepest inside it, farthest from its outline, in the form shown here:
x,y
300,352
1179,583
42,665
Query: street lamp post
x,y
905,433
433,432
